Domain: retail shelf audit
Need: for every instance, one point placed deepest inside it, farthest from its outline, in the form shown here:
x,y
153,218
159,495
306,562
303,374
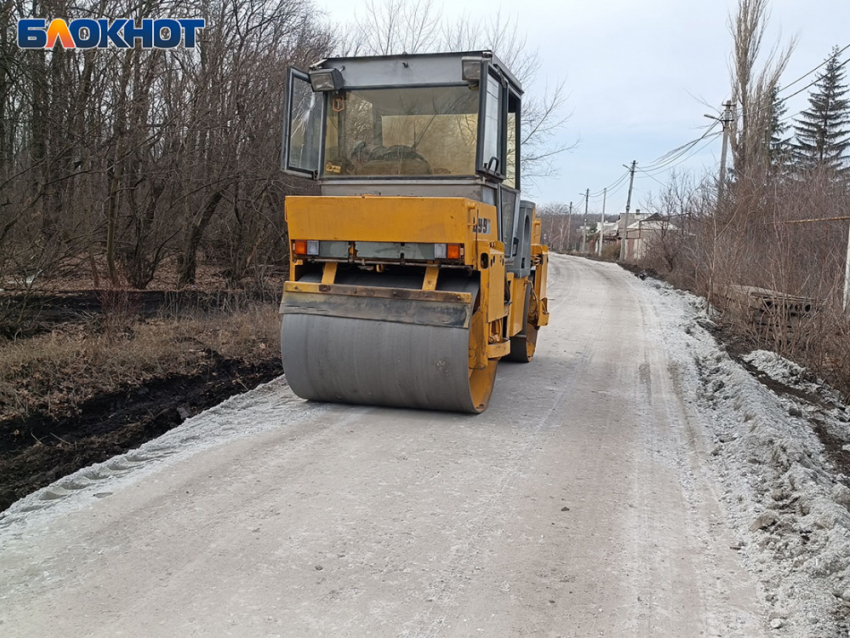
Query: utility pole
x,y
569,227
602,222
639,251
584,222
628,206
847,277
726,120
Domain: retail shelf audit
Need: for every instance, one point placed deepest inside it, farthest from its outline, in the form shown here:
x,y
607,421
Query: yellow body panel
x,y
454,220
539,311
499,349
478,347
537,232
427,295
517,316
493,282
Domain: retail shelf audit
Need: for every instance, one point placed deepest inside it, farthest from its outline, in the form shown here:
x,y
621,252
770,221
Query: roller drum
x,y
373,362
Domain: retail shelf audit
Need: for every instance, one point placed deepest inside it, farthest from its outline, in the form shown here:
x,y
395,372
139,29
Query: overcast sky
x,y
639,75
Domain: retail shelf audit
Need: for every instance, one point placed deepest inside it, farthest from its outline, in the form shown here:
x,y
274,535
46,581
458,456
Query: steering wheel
x,y
396,152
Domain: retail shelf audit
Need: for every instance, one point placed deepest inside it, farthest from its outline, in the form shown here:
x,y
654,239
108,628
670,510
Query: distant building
x,y
610,235
642,232
633,218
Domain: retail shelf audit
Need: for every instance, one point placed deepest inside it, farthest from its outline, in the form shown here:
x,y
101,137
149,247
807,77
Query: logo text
x,y
86,33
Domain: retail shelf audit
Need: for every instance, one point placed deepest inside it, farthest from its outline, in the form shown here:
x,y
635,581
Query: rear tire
x,y
523,345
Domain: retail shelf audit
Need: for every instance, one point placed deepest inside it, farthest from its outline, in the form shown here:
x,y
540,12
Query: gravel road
x,y
579,504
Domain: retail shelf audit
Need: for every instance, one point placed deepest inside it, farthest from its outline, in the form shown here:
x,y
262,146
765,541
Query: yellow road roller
x,y
417,266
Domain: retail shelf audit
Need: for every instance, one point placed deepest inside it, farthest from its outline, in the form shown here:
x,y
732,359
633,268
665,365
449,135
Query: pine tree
x,y
778,146
823,130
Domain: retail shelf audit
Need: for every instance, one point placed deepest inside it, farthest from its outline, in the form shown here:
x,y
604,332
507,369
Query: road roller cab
x,y
419,266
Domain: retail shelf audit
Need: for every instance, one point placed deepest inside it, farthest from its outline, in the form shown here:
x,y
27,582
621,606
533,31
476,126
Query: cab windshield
x,y
402,131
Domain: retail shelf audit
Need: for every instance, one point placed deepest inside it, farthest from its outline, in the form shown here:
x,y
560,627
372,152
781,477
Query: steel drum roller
x,y
378,362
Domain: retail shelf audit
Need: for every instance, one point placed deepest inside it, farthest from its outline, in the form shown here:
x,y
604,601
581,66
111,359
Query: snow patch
x,y
780,369
787,502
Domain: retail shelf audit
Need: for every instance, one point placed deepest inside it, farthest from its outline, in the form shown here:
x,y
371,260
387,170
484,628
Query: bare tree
x,y
558,227
754,85
117,162
394,26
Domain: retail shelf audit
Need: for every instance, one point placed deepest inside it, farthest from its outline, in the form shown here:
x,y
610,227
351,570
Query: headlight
x,y
471,70
326,80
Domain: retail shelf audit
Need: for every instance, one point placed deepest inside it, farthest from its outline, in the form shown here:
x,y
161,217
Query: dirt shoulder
x,y
100,383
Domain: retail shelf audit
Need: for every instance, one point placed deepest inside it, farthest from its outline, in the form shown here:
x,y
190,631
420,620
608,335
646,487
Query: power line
x,y
683,155
813,82
682,161
794,115
676,153
613,184
684,158
651,176
611,192
619,189
797,92
664,163
805,75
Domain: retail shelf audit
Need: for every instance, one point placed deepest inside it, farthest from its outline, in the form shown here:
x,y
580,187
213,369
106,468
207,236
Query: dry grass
x,y
54,373
783,233
82,272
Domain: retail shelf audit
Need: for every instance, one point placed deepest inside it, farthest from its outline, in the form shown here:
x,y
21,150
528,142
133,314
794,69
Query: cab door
x,y
304,114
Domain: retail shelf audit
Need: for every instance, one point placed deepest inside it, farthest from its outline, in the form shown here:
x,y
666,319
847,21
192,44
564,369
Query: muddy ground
x,y
39,448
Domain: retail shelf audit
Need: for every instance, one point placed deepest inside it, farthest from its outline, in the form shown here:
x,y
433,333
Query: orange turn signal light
x,y
299,247
453,251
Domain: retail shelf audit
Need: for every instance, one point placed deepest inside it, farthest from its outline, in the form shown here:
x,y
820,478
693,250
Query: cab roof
x,y
406,69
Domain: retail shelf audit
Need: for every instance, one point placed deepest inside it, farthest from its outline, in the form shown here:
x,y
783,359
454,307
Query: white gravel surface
x,y
631,481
